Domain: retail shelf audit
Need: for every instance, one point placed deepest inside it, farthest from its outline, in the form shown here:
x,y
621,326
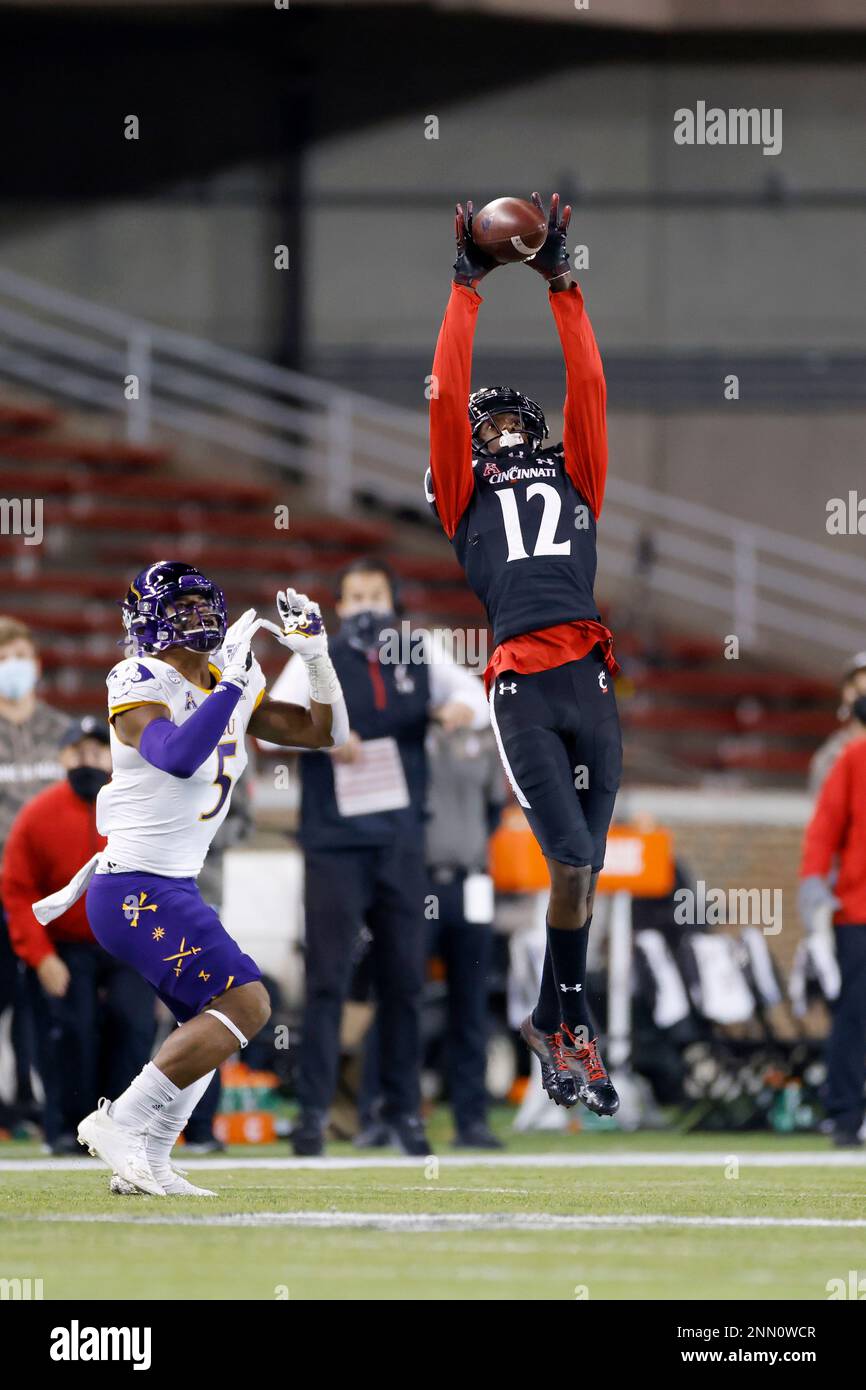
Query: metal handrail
x,y
765,580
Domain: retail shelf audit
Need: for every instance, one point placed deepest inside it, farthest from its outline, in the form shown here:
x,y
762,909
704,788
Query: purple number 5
x,y
222,779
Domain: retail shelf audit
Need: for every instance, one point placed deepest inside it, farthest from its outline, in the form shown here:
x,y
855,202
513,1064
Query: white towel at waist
x,y
46,909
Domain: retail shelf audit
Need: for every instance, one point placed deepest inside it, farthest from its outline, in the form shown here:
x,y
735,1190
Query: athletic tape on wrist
x,y
324,683
232,1027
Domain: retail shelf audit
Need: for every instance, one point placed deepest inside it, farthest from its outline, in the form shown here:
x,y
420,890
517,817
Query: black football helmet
x,y
494,400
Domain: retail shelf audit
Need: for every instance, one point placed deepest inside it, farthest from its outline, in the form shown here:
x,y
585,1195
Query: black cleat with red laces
x,y
556,1077
594,1086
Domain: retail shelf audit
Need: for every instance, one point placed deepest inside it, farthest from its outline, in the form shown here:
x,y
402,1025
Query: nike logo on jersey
x,y
507,689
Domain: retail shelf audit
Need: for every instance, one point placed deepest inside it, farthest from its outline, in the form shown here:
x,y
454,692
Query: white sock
x,y
144,1099
163,1134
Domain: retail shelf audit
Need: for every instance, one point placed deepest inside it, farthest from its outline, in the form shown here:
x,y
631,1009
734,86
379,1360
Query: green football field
x,y
601,1215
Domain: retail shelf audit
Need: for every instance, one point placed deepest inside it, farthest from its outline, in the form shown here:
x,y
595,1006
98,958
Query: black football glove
x,y
472,264
552,260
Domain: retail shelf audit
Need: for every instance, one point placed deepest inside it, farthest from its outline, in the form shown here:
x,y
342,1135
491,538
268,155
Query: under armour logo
x,y
573,989
507,689
602,680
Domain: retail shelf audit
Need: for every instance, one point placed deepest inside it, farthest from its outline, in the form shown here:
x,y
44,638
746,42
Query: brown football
x,y
509,229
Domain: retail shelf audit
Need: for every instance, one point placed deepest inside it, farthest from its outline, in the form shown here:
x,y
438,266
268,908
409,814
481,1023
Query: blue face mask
x,y
17,677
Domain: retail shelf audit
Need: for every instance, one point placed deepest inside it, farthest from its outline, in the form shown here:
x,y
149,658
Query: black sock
x,y
546,1013
566,949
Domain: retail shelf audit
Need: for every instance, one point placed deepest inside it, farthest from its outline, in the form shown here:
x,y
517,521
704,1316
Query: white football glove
x,y
237,649
817,903
301,627
301,630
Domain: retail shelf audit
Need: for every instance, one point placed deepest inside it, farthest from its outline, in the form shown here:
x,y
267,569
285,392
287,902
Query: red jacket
x,y
50,839
837,831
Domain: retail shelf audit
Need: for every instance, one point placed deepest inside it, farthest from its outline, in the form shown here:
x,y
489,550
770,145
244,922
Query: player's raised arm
x,y
323,722
585,415
450,478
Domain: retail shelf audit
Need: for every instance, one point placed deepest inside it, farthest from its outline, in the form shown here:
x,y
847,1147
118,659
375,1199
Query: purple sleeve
x,y
180,749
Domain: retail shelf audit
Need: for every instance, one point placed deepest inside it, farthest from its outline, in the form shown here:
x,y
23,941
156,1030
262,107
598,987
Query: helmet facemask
x,y
188,611
488,403
199,622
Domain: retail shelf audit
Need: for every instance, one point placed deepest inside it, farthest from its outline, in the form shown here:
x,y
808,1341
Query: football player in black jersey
x,y
522,519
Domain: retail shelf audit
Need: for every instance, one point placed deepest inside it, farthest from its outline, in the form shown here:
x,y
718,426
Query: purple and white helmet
x,y
155,619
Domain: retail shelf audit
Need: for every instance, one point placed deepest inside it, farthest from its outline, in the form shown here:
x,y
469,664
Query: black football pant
x,y
846,1046
14,994
382,887
466,950
94,1040
560,743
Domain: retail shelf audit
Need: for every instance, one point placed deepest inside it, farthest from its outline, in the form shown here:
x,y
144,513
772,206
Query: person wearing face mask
x,y
362,814
833,890
94,1016
853,689
30,735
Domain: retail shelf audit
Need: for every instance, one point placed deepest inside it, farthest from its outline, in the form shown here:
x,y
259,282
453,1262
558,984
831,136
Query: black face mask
x,y
86,781
858,708
362,629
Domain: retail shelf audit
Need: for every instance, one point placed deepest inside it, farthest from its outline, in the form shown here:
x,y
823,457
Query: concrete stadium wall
x,y
775,277
206,270
769,278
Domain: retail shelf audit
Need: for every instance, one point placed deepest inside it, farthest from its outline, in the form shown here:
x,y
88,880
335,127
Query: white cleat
x,y
177,1185
118,1187
173,1181
123,1150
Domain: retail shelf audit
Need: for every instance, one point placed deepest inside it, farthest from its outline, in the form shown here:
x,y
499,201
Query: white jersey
x,y
155,822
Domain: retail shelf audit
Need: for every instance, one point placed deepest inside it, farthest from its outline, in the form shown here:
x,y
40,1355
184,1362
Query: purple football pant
x,y
165,930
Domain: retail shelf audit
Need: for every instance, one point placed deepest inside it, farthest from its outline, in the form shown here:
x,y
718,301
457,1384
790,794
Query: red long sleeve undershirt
x,y
584,446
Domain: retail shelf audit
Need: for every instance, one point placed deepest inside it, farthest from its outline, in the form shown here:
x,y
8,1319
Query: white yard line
x,y
806,1158
466,1221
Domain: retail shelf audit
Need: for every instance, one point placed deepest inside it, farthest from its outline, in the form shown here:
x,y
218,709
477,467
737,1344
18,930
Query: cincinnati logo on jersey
x,y
602,680
517,474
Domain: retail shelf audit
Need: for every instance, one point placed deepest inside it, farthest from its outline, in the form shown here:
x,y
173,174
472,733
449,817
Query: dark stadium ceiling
x,y
662,16
224,85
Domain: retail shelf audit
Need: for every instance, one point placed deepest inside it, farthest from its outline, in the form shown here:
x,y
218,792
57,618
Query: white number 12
x,y
544,542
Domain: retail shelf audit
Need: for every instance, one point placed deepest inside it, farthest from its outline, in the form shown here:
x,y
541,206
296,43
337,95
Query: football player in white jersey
x,y
179,710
